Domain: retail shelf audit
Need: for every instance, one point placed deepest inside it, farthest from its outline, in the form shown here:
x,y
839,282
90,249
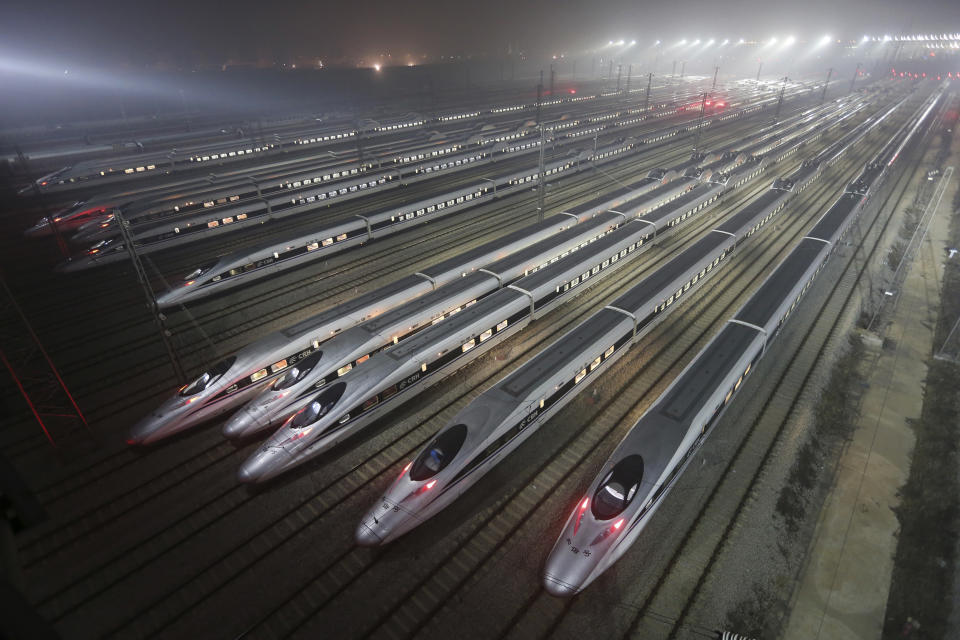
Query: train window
x,y
466,346
319,407
341,237
213,223
438,453
258,375
608,352
345,368
327,242
297,372
595,363
486,334
618,488
579,376
312,246
207,378
363,359
371,402
276,366
389,392
502,326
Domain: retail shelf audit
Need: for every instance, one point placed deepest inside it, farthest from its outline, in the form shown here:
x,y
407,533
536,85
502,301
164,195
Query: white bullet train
x,y
631,485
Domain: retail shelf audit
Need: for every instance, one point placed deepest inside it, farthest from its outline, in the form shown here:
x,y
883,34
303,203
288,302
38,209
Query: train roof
x,y
477,253
763,305
735,222
549,361
689,258
834,218
686,397
351,305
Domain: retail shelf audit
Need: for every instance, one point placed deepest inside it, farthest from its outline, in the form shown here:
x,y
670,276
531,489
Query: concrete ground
x,y
845,582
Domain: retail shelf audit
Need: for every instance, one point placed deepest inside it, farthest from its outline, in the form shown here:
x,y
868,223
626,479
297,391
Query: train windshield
x,y
439,453
208,377
319,407
199,271
618,488
297,372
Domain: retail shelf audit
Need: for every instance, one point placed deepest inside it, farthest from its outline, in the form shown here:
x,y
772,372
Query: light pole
x,y
783,89
646,101
853,80
823,96
703,106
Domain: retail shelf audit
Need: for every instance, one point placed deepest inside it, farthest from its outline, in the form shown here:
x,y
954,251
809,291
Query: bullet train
x,y
503,417
631,485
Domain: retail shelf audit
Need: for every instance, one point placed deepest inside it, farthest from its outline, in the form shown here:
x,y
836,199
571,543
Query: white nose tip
x,y
556,587
367,537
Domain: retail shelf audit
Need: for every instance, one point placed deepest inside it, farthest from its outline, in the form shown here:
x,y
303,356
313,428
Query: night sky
x,y
134,32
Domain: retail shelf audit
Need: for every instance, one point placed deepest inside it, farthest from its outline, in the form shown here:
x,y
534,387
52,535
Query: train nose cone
x,y
145,431
367,537
556,587
169,298
266,463
243,423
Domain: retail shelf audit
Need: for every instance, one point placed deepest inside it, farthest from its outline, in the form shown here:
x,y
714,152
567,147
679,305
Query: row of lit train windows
x,y
525,145
508,136
566,286
332,136
690,212
505,109
423,155
459,116
452,163
341,191
533,176
231,154
440,205
148,167
444,359
401,125
323,178
692,281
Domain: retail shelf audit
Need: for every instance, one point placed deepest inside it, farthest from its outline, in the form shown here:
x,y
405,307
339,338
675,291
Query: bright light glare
x,y
633,42
824,41
697,41
789,41
376,66
741,41
726,41
772,42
